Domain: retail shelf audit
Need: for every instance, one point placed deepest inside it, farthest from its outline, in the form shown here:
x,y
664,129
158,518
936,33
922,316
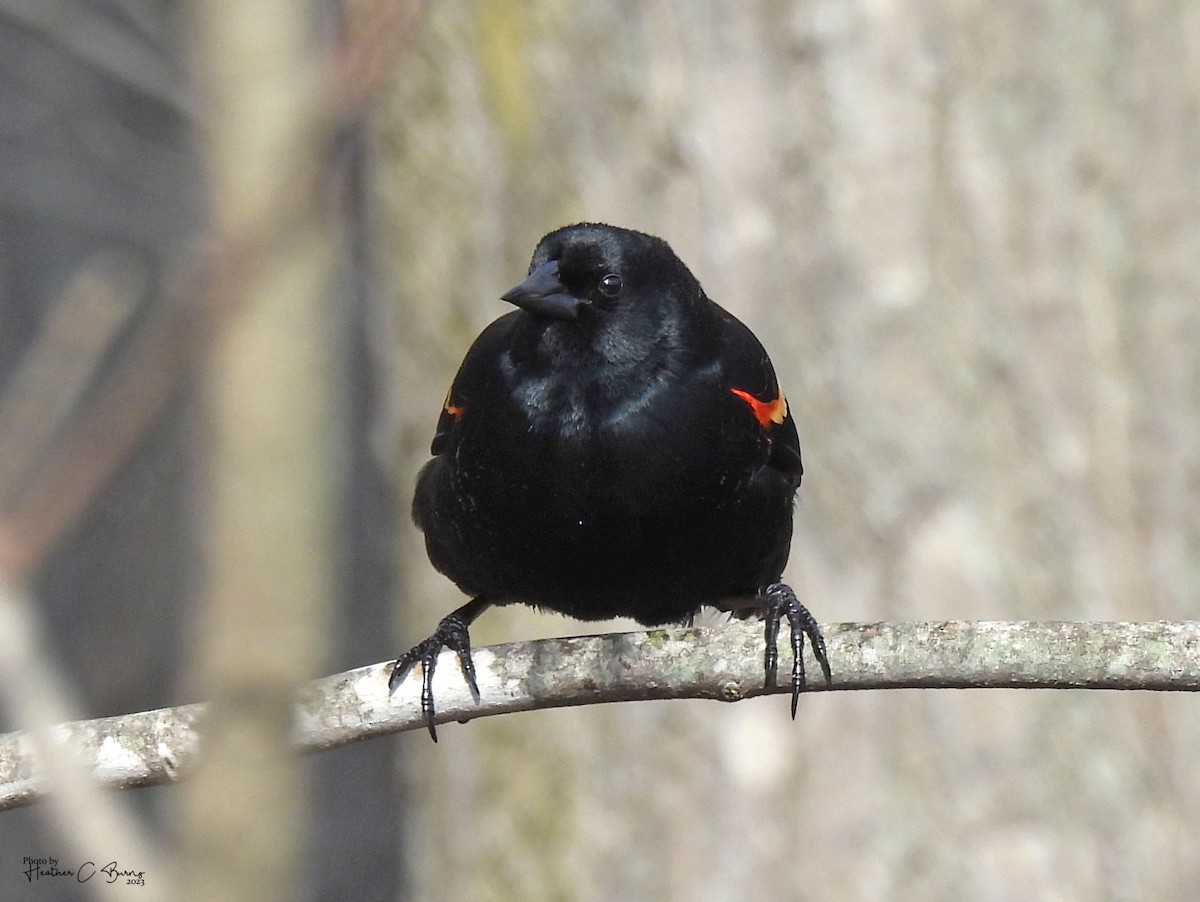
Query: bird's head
x,y
584,272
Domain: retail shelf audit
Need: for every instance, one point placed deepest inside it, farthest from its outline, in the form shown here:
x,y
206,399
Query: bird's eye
x,y
610,285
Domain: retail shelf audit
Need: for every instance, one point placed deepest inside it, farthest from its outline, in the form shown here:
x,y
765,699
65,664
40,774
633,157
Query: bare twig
x,y
204,293
36,694
61,363
723,663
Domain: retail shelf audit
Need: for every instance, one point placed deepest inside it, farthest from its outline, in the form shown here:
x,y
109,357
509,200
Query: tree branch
x,y
723,663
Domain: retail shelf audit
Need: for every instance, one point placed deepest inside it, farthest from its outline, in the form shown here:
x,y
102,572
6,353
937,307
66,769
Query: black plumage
x,y
618,446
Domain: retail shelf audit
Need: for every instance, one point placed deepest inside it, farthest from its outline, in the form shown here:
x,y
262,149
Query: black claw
x,y
458,639
781,601
452,633
426,653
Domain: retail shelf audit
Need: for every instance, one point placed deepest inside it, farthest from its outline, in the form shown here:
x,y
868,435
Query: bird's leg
x,y
452,633
780,601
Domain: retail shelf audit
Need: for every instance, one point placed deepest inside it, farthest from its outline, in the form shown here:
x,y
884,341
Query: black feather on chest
x,y
573,382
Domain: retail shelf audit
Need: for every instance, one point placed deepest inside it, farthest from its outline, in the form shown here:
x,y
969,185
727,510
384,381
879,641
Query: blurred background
x,y
969,236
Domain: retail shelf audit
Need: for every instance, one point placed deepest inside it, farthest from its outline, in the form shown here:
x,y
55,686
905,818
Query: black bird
x,y
618,446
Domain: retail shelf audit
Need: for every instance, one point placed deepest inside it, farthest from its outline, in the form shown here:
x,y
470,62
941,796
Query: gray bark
x,y
724,664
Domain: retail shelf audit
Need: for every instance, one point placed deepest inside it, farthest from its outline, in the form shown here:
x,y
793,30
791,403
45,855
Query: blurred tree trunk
x,y
101,183
245,816
967,233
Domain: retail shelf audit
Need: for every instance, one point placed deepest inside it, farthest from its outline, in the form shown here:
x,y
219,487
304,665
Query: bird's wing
x,y
750,378
478,374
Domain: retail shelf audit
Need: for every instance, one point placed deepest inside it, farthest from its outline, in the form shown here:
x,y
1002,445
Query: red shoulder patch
x,y
455,410
766,412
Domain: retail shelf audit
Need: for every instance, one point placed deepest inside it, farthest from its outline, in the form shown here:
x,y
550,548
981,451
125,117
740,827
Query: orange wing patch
x,y
455,410
766,412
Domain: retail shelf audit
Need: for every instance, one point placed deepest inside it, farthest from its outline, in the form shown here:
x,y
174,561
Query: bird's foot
x,y
780,601
452,633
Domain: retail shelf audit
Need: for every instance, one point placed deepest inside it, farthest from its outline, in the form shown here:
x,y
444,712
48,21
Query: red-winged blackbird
x,y
619,446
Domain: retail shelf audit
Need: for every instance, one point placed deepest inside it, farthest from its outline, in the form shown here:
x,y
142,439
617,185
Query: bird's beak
x,y
543,294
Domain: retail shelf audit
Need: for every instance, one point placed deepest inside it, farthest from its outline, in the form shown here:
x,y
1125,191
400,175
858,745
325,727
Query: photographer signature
x,y
37,868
